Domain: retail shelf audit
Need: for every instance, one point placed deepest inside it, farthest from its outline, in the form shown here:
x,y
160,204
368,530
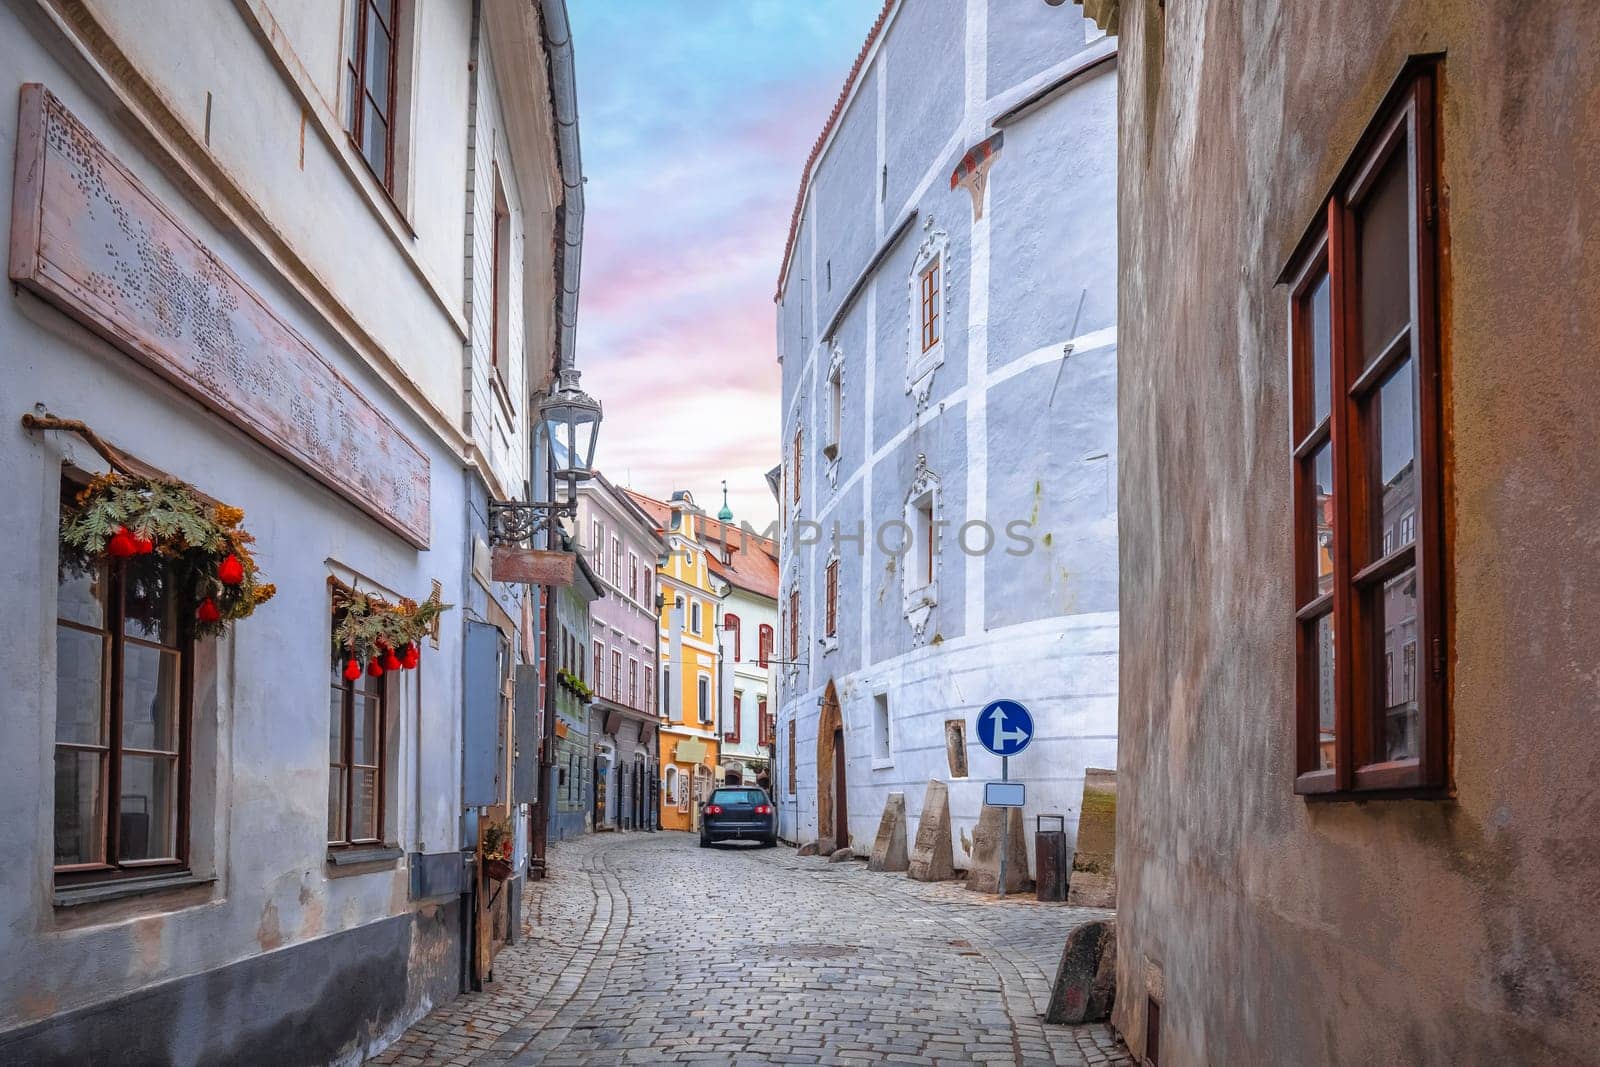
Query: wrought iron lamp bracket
x,y
517,522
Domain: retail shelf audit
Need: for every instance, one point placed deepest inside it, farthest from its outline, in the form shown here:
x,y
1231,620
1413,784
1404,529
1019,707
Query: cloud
x,y
696,118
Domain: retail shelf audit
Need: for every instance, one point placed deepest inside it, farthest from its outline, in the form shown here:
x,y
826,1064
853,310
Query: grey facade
x,y
894,432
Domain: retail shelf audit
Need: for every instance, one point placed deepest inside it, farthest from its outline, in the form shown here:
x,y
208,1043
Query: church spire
x,y
726,514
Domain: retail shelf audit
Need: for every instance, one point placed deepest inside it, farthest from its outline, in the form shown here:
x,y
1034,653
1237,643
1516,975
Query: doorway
x,y
833,816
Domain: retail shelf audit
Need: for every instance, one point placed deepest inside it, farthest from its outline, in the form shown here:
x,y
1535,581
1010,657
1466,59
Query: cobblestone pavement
x,y
644,948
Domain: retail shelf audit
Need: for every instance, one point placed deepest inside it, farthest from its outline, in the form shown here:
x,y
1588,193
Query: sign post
x,y
1005,728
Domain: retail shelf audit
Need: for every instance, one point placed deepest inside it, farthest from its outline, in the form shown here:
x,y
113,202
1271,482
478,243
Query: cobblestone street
x,y
646,949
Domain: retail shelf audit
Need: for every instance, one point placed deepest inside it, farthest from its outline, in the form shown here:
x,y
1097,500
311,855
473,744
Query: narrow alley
x,y
642,948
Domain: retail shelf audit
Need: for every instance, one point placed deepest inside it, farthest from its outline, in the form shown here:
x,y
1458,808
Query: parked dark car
x,y
743,813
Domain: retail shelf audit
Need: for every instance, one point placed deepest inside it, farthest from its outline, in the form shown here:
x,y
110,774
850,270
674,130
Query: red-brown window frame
x,y
796,487
1407,122
794,625
764,645
356,70
114,638
929,285
832,580
347,762
732,736
616,675
730,623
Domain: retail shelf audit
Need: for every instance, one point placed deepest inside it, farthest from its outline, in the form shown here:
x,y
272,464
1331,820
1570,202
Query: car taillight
x,y
713,809
764,809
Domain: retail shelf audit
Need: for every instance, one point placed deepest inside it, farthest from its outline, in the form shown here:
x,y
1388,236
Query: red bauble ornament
x,y
375,669
391,662
352,670
230,571
122,544
143,546
410,656
207,611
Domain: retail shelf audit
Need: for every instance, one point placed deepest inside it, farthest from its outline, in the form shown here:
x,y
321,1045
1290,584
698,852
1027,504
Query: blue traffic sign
x,y
1005,727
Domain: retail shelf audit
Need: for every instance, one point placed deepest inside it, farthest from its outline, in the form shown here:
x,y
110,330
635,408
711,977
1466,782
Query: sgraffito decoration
x,y
89,238
973,170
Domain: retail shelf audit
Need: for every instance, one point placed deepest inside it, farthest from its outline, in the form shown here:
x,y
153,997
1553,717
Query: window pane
x,y
81,598
375,140
336,803
1397,739
1321,339
80,833
149,698
147,816
1392,417
364,806
1322,633
149,608
364,726
1384,234
1322,517
80,660
378,46
336,726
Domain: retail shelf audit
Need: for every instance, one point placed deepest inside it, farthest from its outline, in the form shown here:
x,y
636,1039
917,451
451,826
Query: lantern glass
x,y
571,421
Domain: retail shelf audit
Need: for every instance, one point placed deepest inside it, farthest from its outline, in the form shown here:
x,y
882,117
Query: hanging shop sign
x,y
531,566
87,237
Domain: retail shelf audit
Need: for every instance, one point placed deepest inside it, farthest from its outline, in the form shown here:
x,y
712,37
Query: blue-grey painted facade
x,y
970,427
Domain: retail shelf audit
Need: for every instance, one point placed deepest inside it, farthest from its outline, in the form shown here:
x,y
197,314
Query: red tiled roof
x,y
752,559
822,139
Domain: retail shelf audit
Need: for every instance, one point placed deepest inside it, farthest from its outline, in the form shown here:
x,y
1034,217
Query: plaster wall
x,y
1038,625
1273,929
748,676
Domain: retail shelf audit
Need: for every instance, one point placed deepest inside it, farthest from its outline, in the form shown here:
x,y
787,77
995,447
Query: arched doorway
x,y
833,815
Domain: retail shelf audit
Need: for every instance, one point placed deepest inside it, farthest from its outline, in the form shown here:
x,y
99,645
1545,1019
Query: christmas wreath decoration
x,y
167,539
373,636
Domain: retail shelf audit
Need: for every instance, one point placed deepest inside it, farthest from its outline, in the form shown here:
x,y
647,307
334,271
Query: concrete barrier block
x,y
983,873
889,847
931,858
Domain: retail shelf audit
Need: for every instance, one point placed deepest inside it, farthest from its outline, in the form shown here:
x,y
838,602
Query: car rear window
x,y
738,796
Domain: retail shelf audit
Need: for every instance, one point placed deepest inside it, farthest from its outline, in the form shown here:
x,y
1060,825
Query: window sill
x,y
879,763
121,889
364,856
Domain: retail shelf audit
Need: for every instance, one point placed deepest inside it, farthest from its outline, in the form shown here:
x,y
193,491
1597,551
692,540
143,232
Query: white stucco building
x,y
315,260
948,482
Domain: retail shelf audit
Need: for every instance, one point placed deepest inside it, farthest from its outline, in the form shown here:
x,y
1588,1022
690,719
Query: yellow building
x,y
691,705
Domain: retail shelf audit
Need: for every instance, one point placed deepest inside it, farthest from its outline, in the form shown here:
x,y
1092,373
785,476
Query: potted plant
x,y
497,851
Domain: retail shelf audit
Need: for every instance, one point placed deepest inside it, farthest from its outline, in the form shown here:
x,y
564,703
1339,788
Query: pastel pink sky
x,y
696,116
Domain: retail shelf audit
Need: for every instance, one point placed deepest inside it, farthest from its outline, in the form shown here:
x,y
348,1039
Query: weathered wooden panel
x,y
90,239
531,566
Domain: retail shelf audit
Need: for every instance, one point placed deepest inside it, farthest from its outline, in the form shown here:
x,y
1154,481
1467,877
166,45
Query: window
x,y
370,84
764,723
928,283
730,623
880,726
672,785
795,482
616,675
792,775
833,597
794,624
666,692
616,561
1368,465
500,340
732,736
599,664
596,543
763,645
357,738
927,551
122,750
649,687
633,575
694,617
835,413
703,693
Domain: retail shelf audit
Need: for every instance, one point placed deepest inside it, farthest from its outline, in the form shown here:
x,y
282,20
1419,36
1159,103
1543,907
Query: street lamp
x,y
570,421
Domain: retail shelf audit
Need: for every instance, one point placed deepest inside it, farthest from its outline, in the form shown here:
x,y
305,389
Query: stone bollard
x,y
807,849
1086,981
983,873
1094,864
889,847
931,857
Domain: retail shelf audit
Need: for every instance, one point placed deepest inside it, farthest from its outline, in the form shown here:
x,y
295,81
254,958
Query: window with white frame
x,y
703,695
694,617
833,416
881,750
929,299
921,558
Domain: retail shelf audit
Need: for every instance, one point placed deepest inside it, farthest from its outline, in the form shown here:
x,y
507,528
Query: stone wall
x,y
1396,931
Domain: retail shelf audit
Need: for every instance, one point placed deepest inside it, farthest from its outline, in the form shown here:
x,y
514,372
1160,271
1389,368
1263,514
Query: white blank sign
x,y
1004,794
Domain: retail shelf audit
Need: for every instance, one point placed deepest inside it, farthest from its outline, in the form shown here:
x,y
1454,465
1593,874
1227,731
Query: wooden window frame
x,y
599,666
730,623
764,637
347,764
928,286
114,640
795,489
832,585
616,675
1406,122
355,63
499,280
732,736
794,625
